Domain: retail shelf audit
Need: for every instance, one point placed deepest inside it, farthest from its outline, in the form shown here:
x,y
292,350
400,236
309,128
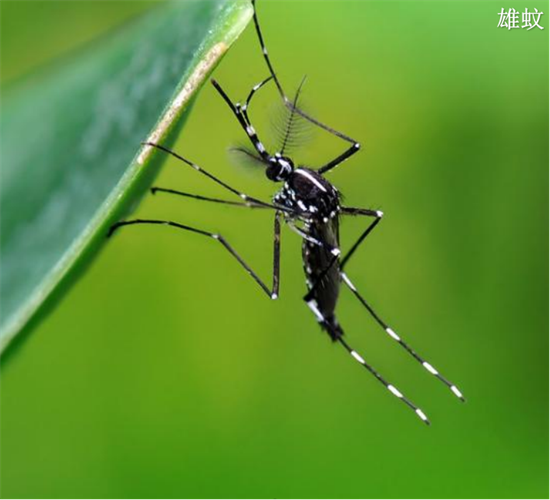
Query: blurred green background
x,y
165,372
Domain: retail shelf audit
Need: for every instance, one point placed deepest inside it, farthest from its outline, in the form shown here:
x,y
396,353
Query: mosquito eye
x,y
272,172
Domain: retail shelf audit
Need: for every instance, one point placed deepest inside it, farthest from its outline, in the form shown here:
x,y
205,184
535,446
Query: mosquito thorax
x,y
280,167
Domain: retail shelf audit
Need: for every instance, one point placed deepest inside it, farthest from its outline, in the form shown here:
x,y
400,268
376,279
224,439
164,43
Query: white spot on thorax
x,y
284,163
310,177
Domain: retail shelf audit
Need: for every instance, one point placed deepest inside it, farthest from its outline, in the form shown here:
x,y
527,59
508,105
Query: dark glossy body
x,y
312,207
317,205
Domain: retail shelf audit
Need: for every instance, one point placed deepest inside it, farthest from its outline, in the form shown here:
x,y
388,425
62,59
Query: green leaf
x,y
71,155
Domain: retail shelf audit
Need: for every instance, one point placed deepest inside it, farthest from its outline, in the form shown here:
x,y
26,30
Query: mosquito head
x,y
280,167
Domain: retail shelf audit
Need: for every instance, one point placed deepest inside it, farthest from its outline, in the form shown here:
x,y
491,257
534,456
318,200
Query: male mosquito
x,y
312,207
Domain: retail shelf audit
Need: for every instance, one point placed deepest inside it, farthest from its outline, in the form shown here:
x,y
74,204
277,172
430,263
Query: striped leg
x,y
377,214
314,241
396,392
348,211
247,204
243,196
337,335
355,146
244,108
400,341
340,159
242,117
272,293
389,331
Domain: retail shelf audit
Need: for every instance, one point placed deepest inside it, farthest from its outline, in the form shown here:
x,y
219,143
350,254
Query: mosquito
x,y
311,206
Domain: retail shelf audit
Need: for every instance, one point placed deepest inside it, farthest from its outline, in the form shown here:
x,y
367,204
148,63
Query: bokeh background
x,y
165,372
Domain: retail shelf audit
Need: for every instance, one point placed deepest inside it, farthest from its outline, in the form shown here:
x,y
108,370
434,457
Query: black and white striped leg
x,y
400,341
249,129
246,106
246,204
265,54
361,211
340,159
243,196
272,293
347,211
291,105
319,280
311,303
314,241
396,392
333,250
377,214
